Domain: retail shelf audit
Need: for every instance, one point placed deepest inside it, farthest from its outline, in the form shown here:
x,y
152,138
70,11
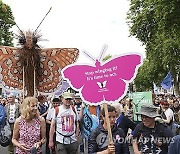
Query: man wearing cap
x,y
66,121
151,136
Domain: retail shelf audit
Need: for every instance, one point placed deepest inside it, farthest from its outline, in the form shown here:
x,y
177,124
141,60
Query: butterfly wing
x,y
111,79
53,60
78,75
10,68
121,71
124,67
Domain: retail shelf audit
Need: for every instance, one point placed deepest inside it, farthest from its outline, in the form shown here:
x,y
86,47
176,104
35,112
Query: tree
x,y
107,57
157,25
6,23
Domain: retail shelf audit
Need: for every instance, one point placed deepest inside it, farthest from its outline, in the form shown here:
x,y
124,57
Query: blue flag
x,y
90,122
155,88
167,82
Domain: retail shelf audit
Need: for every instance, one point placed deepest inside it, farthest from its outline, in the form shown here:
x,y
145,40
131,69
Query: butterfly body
x,y
45,63
103,82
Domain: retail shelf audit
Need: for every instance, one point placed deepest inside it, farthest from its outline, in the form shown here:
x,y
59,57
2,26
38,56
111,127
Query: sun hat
x,y
148,110
66,95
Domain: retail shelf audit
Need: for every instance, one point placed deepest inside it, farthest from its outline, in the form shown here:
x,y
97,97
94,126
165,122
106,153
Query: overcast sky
x,y
83,24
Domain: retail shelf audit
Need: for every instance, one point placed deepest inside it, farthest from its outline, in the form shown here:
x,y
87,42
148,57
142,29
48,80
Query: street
x,y
4,150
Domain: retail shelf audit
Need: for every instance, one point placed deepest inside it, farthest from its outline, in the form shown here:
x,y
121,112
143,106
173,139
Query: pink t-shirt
x,y
29,134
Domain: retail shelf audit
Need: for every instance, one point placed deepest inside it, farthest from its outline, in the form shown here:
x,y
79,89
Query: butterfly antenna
x,y
103,51
19,29
43,19
89,56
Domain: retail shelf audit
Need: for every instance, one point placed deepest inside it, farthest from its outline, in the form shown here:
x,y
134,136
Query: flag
x,y
167,82
155,88
64,87
90,122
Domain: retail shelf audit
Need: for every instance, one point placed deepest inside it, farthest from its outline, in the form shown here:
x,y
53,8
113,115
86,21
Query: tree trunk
x,y
176,86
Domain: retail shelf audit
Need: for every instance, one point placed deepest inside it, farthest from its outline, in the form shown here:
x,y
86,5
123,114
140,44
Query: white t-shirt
x,y
12,113
66,125
50,114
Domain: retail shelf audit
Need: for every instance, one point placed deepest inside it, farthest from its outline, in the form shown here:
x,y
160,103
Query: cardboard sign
x,y
103,82
140,98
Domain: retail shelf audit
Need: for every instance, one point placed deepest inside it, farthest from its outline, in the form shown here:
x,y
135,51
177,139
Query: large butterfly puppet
x,y
103,81
30,67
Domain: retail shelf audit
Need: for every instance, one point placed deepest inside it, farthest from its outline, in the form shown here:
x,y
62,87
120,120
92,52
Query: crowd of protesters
x,y
58,124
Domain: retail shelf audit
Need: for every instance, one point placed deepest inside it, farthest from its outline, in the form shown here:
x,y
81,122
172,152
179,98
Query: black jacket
x,y
125,123
147,137
98,140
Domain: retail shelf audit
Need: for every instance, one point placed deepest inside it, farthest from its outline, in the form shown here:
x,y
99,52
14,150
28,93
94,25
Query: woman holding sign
x,y
99,142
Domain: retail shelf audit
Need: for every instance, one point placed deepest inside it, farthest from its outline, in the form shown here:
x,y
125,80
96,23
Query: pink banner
x,y
106,82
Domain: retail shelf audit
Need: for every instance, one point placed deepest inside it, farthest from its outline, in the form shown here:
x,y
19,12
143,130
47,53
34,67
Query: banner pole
x,y
108,124
34,82
23,83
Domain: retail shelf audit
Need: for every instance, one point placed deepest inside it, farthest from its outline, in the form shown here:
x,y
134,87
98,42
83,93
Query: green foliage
x,y
6,23
107,57
156,23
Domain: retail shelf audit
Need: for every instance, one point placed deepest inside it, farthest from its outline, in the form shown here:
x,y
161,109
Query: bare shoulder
x,y
18,119
16,124
42,119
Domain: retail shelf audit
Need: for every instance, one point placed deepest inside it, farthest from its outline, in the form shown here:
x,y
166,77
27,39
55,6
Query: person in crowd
x,y
12,113
79,107
123,121
151,136
167,115
128,108
67,127
98,141
4,101
43,110
77,103
176,110
123,102
51,111
50,115
171,102
29,129
156,102
174,147
42,107
60,97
